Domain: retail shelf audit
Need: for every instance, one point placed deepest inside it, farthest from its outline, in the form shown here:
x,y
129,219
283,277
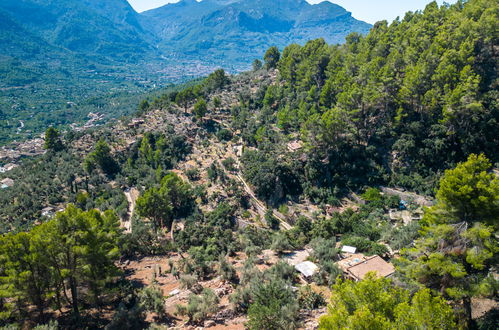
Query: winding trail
x,y
262,208
131,196
20,128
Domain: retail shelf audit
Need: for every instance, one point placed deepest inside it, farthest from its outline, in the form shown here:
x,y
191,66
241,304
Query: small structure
x,y
174,292
307,269
6,183
238,150
48,212
371,264
348,249
10,167
136,122
294,146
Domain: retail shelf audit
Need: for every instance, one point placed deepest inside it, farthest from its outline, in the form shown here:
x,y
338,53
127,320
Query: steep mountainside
x,y
105,28
55,53
227,31
229,201
57,56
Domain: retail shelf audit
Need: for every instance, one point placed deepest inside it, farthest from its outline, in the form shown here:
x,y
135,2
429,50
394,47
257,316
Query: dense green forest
x,y
395,106
190,214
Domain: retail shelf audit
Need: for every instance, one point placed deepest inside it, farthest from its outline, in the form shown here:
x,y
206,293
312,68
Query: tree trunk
x,y
467,312
74,296
58,300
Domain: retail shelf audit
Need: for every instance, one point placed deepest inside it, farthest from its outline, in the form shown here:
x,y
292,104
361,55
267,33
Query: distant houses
x,y
8,167
6,183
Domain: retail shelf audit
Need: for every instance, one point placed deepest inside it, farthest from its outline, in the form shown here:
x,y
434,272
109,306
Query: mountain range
x,y
227,31
57,51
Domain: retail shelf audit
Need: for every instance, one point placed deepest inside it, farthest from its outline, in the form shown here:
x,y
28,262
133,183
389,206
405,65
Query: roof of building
x,y
307,268
372,264
294,146
7,182
10,166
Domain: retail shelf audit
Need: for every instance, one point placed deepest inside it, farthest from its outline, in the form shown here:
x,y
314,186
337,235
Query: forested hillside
x,y
54,54
396,105
224,32
349,186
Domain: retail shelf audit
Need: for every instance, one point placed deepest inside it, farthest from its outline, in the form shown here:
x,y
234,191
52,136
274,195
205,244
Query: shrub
x,y
226,270
229,164
280,243
152,300
190,282
193,174
52,325
224,134
199,307
274,307
272,221
284,209
309,299
365,245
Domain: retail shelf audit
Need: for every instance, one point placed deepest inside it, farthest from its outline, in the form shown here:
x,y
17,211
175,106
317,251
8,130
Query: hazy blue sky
x,y
367,10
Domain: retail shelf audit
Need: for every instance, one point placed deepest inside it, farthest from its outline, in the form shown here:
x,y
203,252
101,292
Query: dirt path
x,y
131,196
260,206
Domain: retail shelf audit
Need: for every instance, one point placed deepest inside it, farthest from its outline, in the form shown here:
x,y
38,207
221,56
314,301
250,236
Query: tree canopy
x,y
458,248
375,303
173,198
75,250
53,140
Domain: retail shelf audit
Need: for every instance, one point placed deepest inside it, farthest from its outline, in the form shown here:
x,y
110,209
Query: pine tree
x,y
375,303
458,248
53,140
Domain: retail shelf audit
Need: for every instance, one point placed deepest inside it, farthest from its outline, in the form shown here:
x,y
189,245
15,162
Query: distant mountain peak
x,y
227,31
219,32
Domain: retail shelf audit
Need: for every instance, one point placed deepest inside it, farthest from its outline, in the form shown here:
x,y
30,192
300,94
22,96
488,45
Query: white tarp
x,y
348,249
307,268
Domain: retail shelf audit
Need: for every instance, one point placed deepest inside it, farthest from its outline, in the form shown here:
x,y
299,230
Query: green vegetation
x,y
392,107
56,260
200,108
377,304
53,140
199,307
273,307
330,136
163,204
271,57
152,300
101,157
458,249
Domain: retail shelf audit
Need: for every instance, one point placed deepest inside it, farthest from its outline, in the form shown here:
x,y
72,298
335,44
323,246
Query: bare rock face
x,y
224,315
209,323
